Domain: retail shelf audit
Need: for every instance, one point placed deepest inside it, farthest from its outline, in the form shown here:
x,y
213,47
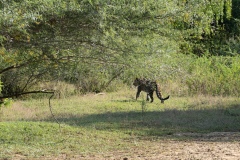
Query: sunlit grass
x,y
113,119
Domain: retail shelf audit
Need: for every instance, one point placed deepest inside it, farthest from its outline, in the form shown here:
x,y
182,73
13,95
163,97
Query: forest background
x,y
80,46
76,48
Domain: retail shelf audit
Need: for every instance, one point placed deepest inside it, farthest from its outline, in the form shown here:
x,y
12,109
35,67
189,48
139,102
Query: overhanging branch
x,y
33,92
12,67
29,92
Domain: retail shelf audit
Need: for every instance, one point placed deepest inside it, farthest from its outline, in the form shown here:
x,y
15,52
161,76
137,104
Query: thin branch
x,y
27,82
114,77
50,107
13,67
24,93
29,61
32,92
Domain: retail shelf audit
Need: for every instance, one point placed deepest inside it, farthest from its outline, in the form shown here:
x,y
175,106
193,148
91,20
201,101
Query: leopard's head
x,y
137,82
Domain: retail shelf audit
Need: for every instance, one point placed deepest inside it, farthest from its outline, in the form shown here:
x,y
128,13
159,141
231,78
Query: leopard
x,y
149,87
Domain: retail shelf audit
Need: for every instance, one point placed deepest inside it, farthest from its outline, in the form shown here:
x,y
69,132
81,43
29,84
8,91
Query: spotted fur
x,y
149,87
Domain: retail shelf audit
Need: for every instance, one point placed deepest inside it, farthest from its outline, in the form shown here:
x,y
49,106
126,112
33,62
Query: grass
x,y
98,123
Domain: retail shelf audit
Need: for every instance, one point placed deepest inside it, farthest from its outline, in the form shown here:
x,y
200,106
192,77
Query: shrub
x,y
215,76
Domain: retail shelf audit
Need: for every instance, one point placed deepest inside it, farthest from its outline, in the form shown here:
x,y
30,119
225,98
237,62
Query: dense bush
x,y
97,45
215,76
183,75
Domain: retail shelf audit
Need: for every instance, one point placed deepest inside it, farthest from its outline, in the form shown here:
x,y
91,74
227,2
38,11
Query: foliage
x,y
222,34
184,75
91,43
4,101
215,76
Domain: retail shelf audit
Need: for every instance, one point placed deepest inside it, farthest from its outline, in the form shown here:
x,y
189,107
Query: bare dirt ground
x,y
212,146
193,146
177,150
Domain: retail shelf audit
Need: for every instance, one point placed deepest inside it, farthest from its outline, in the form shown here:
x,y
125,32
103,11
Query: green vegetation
x,y
80,47
115,120
97,45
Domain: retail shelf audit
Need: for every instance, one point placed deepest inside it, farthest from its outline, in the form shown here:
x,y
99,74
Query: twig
x,y
50,107
23,93
114,76
33,92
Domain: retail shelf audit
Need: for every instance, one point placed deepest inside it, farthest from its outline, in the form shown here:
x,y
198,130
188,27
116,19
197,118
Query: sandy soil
x,y
212,146
177,151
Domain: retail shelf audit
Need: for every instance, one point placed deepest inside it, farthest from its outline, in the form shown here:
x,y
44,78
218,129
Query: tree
x,y
52,39
217,33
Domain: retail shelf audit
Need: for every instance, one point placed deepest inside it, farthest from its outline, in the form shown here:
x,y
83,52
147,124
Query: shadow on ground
x,y
202,124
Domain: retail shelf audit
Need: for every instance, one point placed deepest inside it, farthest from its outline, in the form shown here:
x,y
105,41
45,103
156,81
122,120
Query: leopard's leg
x,y
147,97
151,96
138,92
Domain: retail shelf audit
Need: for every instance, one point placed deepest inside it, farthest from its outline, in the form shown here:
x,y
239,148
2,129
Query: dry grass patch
x,y
112,125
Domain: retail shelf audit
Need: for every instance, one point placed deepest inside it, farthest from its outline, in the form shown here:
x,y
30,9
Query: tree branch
x,y
13,67
24,93
50,107
117,74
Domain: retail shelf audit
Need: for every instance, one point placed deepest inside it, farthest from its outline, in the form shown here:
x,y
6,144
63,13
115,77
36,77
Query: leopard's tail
x,y
159,94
